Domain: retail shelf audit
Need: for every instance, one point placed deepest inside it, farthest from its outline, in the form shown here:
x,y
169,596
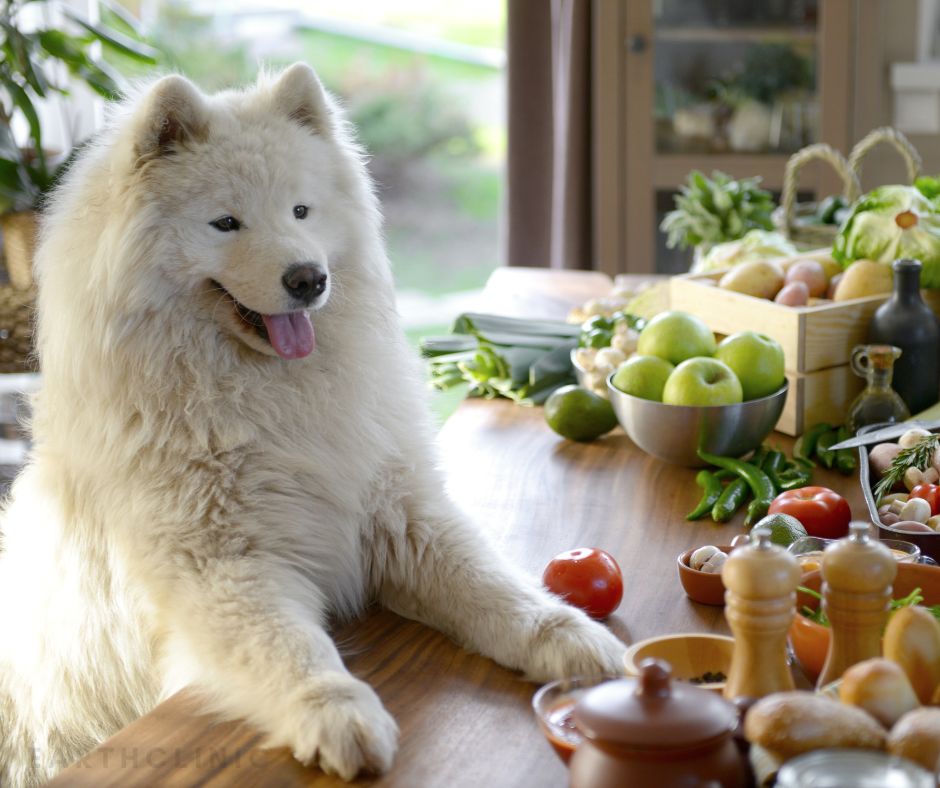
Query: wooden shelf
x,y
725,35
671,170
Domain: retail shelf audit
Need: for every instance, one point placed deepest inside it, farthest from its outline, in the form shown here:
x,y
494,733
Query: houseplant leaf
x,y
119,42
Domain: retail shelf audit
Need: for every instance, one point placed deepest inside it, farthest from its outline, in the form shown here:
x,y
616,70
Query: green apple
x,y
702,381
756,359
676,336
643,376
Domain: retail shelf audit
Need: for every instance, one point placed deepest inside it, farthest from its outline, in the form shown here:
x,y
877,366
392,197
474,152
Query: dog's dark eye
x,y
300,211
226,224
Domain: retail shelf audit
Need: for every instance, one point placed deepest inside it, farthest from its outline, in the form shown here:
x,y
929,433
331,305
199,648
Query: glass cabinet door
x,y
734,76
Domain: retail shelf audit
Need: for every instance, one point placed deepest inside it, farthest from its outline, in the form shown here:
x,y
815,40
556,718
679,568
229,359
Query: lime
x,y
578,414
784,528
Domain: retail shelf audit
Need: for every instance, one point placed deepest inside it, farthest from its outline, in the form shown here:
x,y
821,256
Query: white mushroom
x,y
713,565
915,509
699,557
913,477
935,459
912,437
897,505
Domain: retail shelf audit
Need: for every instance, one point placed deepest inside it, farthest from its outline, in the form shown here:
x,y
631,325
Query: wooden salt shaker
x,y
857,574
761,580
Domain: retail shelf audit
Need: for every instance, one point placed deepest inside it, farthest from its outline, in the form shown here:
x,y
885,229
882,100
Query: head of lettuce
x,y
891,222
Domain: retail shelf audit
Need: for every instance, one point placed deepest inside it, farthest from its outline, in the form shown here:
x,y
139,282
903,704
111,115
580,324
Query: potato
x,y
758,278
833,286
793,294
864,278
881,457
830,267
810,273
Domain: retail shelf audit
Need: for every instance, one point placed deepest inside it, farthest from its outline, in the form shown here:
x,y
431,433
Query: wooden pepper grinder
x,y
761,580
857,574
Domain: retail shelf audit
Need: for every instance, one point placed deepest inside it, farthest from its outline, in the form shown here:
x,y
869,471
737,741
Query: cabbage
x,y
891,222
755,245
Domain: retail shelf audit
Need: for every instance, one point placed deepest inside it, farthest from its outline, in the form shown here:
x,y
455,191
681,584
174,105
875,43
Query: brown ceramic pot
x,y
657,732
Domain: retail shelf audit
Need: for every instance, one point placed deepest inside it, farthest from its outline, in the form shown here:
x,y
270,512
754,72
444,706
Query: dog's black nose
x,y
305,281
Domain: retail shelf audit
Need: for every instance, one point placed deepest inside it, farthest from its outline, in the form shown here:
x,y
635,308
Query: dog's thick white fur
x,y
200,498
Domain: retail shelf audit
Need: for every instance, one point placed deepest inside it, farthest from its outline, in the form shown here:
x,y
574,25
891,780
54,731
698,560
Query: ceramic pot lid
x,y
653,712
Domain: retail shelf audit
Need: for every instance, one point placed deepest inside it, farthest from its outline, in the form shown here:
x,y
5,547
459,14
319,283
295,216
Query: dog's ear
x,y
173,113
299,94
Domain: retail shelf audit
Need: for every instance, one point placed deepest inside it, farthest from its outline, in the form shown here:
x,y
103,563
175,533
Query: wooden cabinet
x,y
731,85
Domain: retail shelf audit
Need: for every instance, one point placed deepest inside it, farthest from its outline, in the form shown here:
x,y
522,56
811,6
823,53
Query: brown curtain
x,y
548,168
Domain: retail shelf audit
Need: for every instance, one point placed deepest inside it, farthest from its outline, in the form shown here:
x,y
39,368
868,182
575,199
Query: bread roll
x,y
790,723
912,639
880,687
917,736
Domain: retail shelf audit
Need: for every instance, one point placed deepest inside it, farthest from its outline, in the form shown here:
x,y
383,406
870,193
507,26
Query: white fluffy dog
x,y
231,445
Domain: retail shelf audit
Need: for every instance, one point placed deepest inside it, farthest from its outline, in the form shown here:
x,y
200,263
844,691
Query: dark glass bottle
x,y
905,321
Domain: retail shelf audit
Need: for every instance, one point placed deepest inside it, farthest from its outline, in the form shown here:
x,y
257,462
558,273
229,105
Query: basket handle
x,y
823,152
895,139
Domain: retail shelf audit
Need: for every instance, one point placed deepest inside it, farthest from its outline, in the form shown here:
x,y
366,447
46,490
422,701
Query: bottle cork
x,y
761,580
857,573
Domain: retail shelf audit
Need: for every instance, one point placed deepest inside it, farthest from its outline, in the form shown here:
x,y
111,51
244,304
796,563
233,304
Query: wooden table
x,y
464,720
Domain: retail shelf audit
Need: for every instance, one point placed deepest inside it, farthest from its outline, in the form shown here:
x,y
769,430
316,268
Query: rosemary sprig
x,y
917,456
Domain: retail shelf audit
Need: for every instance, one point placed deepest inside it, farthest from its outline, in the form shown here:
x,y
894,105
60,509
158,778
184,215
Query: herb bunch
x,y
717,209
916,456
914,598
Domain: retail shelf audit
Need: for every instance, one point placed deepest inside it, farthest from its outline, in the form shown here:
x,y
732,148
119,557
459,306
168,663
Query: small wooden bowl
x,y
810,641
705,588
690,655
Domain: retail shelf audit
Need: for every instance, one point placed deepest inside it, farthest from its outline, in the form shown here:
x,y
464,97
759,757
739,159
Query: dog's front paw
x,y
566,642
344,728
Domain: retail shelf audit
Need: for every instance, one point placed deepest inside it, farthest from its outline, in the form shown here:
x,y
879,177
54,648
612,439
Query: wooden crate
x,y
813,337
823,395
817,341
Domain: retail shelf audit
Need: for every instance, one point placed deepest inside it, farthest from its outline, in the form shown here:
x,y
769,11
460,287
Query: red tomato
x,y
823,512
930,493
586,577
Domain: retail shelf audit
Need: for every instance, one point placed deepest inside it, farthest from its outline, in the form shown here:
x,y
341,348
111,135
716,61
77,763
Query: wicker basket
x,y
19,246
787,217
891,137
17,308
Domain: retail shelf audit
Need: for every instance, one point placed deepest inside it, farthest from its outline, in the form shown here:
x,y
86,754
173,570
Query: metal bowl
x,y
929,544
675,433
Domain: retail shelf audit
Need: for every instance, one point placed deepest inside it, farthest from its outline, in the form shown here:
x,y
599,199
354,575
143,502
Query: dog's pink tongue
x,y
291,334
